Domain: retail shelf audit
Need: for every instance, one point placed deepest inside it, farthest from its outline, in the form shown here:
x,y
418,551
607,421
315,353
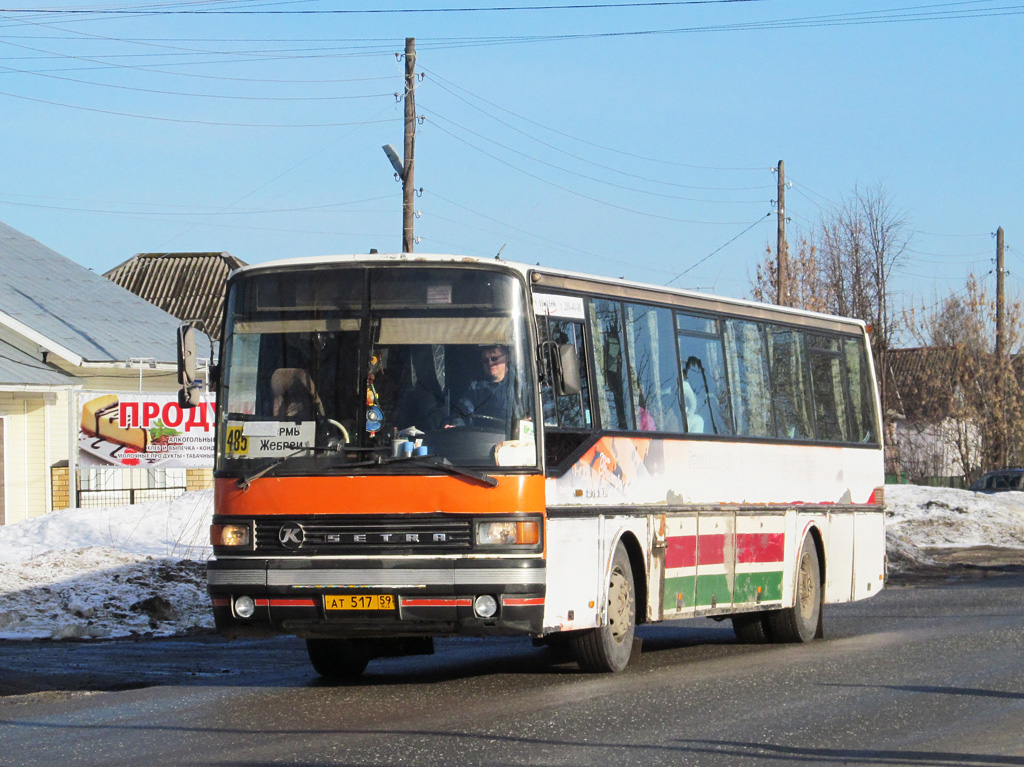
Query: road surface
x,y
929,675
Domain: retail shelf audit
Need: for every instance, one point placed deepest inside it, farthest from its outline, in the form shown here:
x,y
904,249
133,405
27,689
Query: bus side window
x,y
829,388
610,372
748,378
790,383
703,366
862,407
571,411
657,398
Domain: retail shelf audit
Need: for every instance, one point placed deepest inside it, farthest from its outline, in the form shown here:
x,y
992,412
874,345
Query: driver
x,y
491,396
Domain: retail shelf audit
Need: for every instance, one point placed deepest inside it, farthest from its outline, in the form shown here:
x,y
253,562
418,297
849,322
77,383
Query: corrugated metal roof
x,y
19,368
74,308
188,285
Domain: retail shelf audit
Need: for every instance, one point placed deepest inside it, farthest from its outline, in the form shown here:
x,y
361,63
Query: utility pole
x,y
1000,296
781,248
1001,367
408,190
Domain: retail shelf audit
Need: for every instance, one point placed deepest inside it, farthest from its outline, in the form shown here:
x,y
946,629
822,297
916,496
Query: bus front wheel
x,y
338,659
799,623
607,648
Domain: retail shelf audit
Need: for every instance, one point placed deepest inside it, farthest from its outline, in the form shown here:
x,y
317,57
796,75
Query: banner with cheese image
x,y
144,431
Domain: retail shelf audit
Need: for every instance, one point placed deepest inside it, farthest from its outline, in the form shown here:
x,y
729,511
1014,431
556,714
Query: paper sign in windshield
x,y
267,439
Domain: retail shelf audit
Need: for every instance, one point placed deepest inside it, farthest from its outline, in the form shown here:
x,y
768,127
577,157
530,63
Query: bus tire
x,y
799,623
607,648
338,659
751,628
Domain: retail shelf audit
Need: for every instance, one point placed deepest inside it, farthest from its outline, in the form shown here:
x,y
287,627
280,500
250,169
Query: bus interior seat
x,y
421,403
294,394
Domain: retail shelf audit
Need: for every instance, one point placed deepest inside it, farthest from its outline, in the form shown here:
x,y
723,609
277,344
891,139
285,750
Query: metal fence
x,y
94,499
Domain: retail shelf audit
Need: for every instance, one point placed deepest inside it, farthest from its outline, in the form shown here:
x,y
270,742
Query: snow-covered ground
x,y
139,570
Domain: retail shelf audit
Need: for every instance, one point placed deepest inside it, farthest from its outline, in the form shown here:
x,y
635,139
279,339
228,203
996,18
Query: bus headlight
x,y
229,535
508,533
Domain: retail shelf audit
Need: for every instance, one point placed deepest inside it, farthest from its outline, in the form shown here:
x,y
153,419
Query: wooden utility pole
x,y
781,248
1000,296
1001,367
408,164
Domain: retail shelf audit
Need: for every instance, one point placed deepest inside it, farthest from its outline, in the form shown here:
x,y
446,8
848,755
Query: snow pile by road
x,y
120,571
139,570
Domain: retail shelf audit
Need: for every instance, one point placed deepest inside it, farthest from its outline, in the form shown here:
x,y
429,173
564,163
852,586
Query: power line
x,y
716,250
196,122
583,159
584,175
155,11
660,160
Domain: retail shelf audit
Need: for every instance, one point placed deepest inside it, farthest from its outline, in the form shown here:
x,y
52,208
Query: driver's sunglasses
x,y
491,359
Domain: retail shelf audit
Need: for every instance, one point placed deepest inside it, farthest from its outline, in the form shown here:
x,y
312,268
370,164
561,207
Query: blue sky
x,y
550,133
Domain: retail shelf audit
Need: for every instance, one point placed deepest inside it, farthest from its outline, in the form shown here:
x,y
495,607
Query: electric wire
x,y
449,86
719,249
574,192
584,175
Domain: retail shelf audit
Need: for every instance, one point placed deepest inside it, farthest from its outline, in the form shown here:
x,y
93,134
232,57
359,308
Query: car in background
x,y
1000,480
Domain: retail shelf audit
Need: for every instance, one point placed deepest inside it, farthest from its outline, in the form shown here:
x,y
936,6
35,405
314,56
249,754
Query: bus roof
x,y
561,278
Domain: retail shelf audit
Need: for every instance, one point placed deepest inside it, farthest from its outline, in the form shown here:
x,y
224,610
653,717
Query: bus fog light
x,y
245,607
485,606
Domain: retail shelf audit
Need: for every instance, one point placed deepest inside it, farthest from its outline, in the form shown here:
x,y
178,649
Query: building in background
x,y
68,335
188,285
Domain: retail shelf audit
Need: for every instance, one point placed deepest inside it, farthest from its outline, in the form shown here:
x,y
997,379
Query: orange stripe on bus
x,y
379,495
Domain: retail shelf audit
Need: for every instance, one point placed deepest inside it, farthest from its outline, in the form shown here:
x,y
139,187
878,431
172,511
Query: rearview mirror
x,y
567,378
189,396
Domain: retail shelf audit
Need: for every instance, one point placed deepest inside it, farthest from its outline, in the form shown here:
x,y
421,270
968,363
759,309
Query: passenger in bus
x,y
694,421
490,398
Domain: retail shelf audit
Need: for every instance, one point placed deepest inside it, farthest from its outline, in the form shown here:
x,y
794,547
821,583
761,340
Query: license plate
x,y
359,602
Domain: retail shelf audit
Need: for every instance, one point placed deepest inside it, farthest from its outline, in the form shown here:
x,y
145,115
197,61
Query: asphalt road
x,y
929,675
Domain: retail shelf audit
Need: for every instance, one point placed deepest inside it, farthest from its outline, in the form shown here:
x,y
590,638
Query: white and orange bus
x,y
419,446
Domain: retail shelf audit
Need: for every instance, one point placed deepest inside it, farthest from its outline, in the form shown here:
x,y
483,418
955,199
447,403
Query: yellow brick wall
x,y
60,486
198,479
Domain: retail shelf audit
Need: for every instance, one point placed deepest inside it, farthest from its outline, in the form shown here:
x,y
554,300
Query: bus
x,y
412,446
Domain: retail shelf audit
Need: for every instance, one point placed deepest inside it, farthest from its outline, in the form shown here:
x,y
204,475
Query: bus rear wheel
x,y
799,623
338,659
607,648
751,628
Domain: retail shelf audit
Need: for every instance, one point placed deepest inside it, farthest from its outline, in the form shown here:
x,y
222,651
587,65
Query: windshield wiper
x,y
444,465
247,479
441,464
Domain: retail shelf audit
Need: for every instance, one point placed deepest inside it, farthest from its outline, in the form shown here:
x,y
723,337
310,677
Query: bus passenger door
x,y
716,559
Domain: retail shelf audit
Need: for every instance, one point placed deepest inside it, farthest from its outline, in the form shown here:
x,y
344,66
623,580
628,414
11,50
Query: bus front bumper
x,y
377,598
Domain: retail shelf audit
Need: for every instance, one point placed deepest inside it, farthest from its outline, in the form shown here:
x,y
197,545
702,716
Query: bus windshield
x,y
359,368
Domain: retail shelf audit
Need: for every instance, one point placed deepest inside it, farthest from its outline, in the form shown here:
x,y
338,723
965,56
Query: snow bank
x,y
944,517
176,528
119,571
139,570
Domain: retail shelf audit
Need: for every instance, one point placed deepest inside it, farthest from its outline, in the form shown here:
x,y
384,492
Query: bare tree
x,y
981,400
844,266
806,288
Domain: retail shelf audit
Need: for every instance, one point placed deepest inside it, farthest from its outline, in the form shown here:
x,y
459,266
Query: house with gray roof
x,y
191,286
64,332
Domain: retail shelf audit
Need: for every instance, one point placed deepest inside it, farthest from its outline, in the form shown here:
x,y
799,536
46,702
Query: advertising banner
x,y
146,431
